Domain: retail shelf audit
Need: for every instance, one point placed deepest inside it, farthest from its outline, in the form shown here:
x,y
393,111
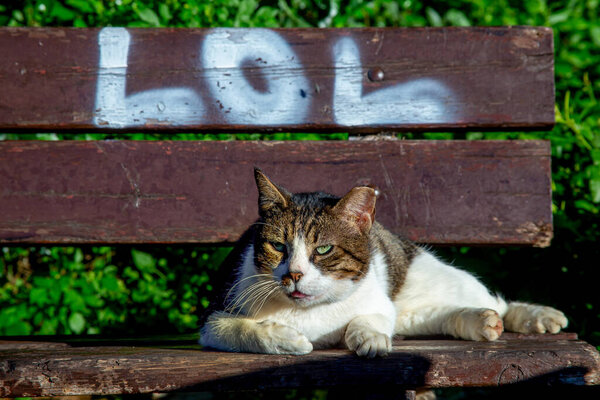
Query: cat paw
x,y
491,325
368,343
277,338
533,318
480,324
424,394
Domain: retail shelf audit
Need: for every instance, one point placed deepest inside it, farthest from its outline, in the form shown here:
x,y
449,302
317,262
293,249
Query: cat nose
x,y
296,276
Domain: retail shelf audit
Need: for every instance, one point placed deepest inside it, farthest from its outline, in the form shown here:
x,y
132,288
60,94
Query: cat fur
x,y
373,287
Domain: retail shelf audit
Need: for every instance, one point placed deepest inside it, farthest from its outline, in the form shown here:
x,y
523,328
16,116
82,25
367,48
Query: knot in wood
x,y
511,374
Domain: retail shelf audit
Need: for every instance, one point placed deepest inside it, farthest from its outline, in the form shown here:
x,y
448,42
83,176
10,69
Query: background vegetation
x,y
123,290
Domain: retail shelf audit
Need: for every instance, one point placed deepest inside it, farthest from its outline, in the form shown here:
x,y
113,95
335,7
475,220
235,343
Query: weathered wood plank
x,y
46,342
413,363
359,80
447,192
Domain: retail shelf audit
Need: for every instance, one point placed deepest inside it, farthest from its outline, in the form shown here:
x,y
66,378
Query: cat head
x,y
315,246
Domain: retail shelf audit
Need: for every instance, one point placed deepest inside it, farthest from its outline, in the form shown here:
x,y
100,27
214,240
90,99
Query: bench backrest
x,y
263,80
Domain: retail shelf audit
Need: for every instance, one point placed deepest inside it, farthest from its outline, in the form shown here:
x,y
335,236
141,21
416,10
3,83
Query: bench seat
x,y
71,366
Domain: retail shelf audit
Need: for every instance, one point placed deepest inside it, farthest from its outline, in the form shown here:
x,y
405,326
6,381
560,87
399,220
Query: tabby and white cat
x,y
317,272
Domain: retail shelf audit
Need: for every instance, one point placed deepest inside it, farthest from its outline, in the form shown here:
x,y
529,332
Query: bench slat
x,y
441,192
358,80
102,370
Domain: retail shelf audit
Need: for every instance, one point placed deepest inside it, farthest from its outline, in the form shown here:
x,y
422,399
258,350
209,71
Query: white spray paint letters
x,y
421,100
283,102
284,99
114,109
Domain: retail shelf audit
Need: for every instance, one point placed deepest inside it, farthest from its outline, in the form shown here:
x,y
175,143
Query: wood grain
x,y
447,192
102,370
389,79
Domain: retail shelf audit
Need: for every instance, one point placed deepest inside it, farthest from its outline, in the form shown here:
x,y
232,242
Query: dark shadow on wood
x,y
399,370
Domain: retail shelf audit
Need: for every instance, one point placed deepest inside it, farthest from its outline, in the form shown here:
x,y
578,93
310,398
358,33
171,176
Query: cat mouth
x,y
299,295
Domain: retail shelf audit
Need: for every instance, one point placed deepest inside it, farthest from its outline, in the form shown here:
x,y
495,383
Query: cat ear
x,y
358,207
269,194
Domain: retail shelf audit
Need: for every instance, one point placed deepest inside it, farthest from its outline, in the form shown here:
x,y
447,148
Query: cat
x,y
318,271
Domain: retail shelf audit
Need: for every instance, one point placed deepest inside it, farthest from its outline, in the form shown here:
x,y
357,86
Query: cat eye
x,y
280,247
322,250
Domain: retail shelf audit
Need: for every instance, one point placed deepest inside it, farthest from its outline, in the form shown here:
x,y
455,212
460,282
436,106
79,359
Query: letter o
x,y
285,100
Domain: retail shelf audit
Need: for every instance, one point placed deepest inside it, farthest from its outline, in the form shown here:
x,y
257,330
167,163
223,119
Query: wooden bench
x,y
257,80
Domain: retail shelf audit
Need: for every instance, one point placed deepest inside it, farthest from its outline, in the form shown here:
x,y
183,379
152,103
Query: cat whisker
x,y
362,273
240,297
273,290
251,287
244,279
262,295
253,296
245,295
257,293
230,298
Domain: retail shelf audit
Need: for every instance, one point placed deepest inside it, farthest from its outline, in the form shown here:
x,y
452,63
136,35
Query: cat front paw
x,y
491,325
277,338
481,324
533,318
368,343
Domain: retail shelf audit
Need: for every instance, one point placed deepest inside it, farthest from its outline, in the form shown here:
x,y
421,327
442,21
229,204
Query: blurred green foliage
x,y
101,289
120,290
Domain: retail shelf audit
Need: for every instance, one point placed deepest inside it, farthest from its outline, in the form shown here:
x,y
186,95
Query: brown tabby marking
x,y
398,253
319,226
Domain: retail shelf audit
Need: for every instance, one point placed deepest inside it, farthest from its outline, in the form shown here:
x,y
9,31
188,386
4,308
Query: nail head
x,y
375,74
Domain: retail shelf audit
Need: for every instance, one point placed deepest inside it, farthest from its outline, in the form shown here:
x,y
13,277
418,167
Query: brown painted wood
x,y
447,192
413,363
285,79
